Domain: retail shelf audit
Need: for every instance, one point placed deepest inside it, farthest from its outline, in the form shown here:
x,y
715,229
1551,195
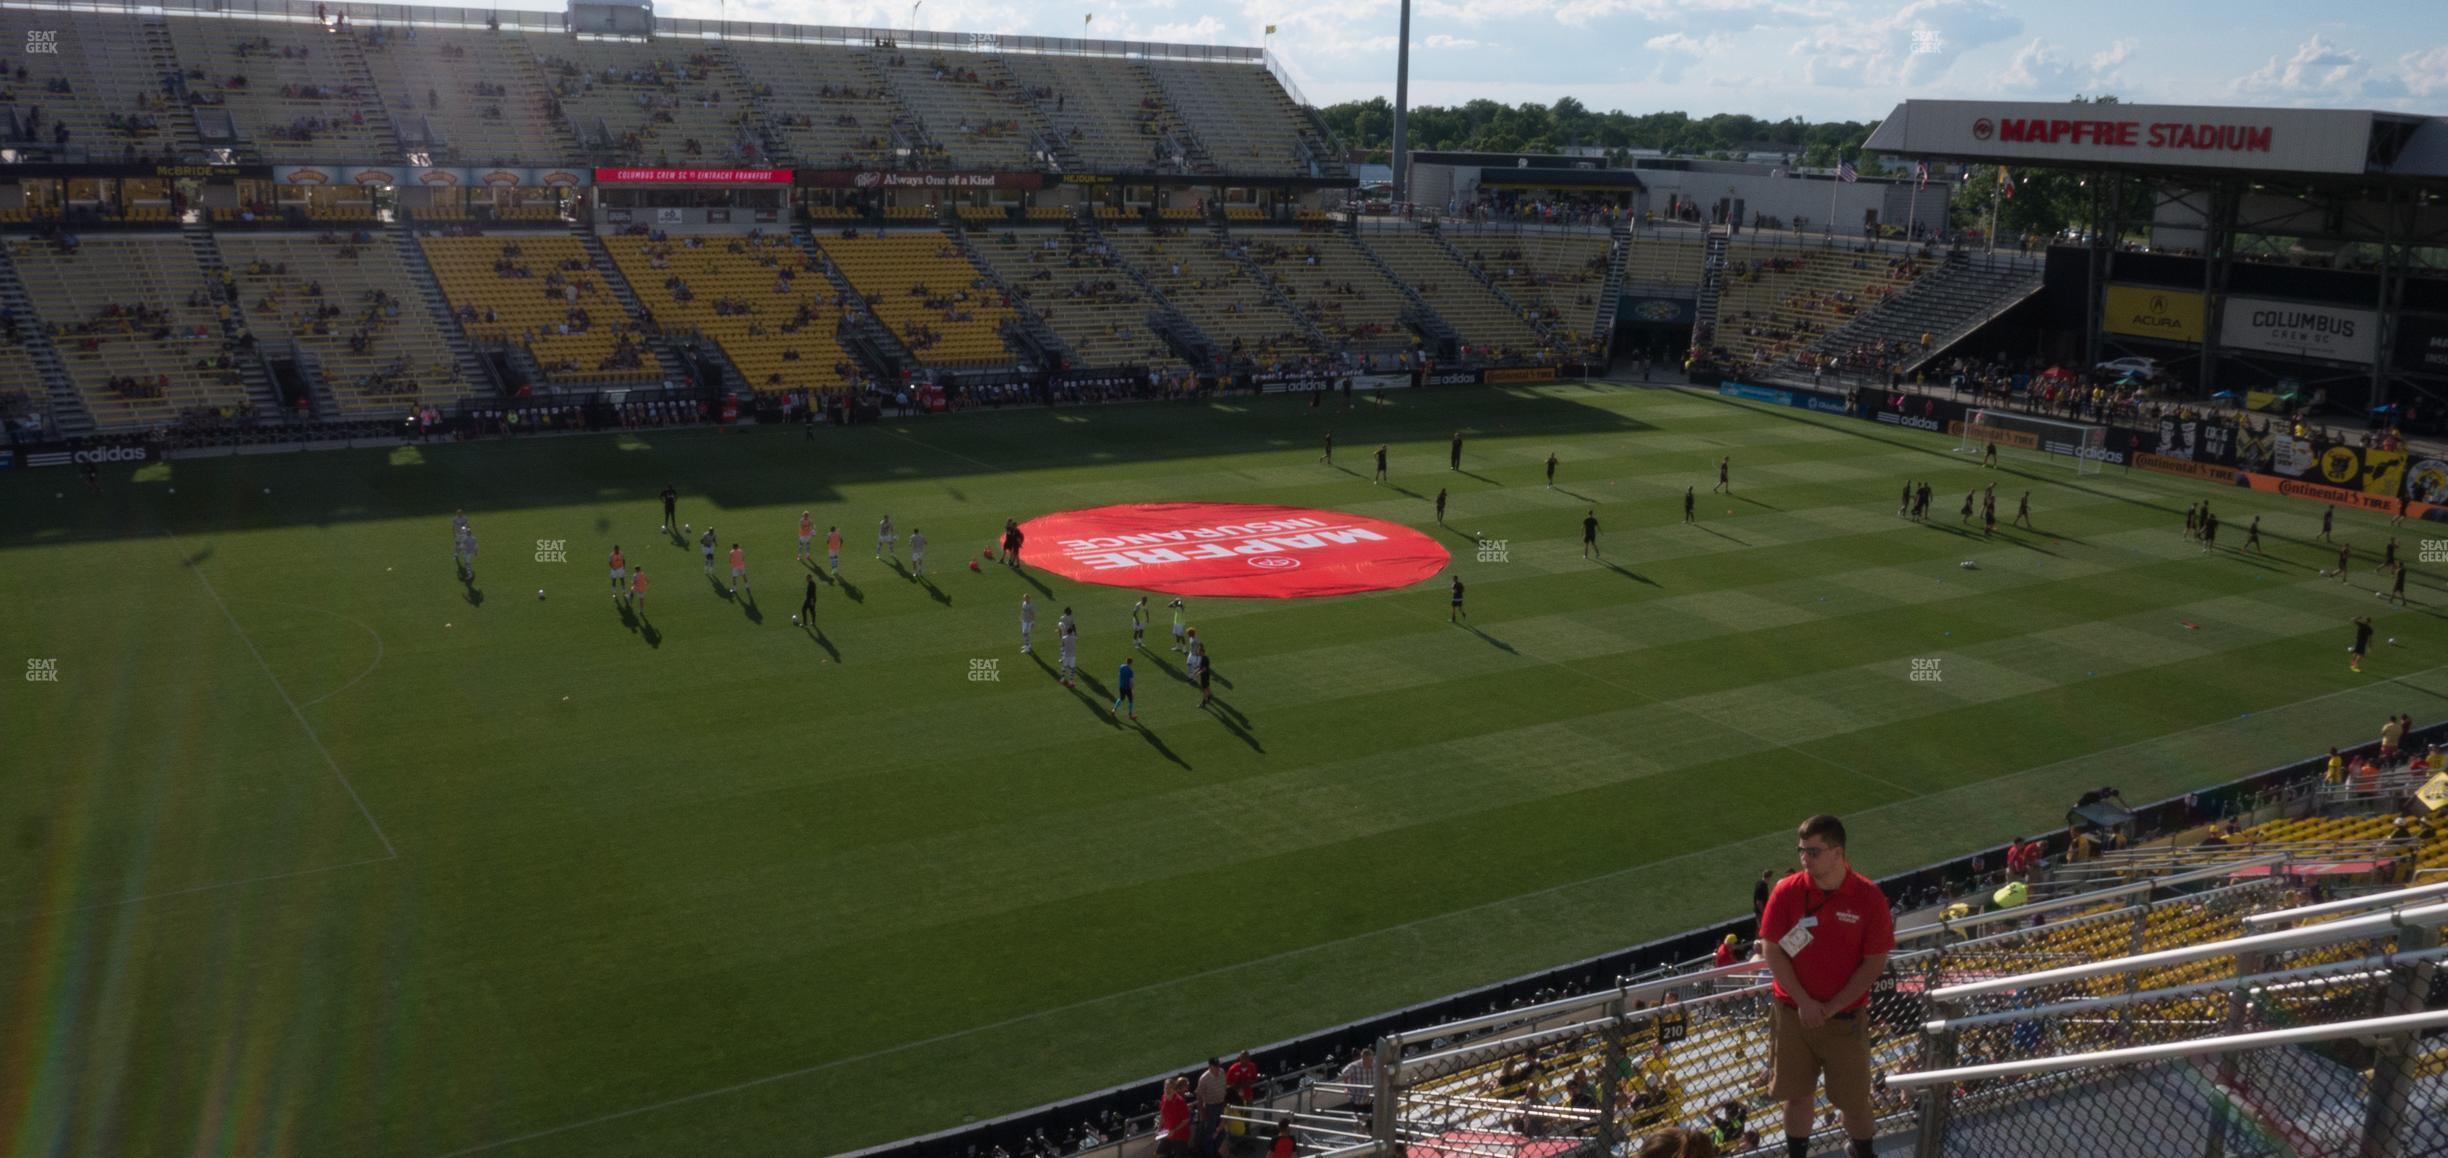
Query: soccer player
x,y
2209,532
1551,465
739,568
1028,621
1921,509
1328,457
637,590
1122,689
467,554
2396,592
1589,529
1440,506
1381,475
2192,520
1724,482
2363,634
884,537
917,553
1988,516
1454,613
2327,514
2402,502
1904,504
832,551
1688,502
671,499
1066,630
620,571
1967,507
1206,676
1457,451
2345,560
2388,555
1195,655
807,604
459,523
705,544
1011,543
1179,627
1989,455
2252,536
1139,624
2023,511
807,532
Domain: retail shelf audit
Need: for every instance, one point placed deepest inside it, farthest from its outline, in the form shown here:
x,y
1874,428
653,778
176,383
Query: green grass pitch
x,y
309,851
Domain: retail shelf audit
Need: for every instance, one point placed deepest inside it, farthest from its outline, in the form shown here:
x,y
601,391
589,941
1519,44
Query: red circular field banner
x,y
1230,549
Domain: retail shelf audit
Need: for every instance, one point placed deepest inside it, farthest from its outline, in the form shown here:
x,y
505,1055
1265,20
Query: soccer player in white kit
x,y
464,553
917,553
1028,622
1178,624
884,537
1067,629
706,543
807,531
1139,624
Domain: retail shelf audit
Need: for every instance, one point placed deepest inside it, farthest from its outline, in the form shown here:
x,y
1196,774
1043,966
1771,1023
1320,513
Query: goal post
x,y
2079,444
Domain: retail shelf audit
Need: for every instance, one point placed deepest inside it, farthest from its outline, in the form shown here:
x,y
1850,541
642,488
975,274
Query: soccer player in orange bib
x,y
739,568
807,531
637,590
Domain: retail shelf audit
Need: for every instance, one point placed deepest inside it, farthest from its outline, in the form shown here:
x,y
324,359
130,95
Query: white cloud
x,y
2426,71
2108,67
1677,52
2318,68
2040,68
1916,45
1441,40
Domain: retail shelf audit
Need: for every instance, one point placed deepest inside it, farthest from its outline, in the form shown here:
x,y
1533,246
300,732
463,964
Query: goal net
x,y
2079,444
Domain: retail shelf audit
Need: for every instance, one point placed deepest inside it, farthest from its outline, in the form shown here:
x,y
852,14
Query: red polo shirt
x,y
1853,923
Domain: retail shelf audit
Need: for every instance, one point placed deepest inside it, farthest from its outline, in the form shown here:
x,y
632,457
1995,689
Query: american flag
x,y
1920,175
1846,173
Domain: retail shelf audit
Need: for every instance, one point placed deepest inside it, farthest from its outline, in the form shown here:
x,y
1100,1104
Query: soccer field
x,y
313,849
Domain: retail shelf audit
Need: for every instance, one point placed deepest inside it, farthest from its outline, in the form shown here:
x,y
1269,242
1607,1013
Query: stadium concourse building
x,y
2246,249
1739,194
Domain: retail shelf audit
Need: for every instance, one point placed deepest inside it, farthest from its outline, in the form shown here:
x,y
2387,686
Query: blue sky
x,y
1820,59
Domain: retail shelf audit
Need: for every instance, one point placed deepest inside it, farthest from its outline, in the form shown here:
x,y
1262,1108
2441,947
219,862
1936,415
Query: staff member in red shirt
x,y
1173,1119
1828,931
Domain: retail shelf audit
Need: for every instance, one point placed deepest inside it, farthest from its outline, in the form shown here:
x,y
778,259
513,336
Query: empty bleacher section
x,y
351,303
1075,284
1667,265
465,97
1246,121
294,93
1555,276
135,322
1778,300
1211,290
523,290
972,112
762,299
920,286
659,102
828,104
102,84
1953,299
1102,111
1479,316
1336,287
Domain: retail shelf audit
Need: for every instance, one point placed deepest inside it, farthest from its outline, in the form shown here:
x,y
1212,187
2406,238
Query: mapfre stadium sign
x,y
2331,141
1231,549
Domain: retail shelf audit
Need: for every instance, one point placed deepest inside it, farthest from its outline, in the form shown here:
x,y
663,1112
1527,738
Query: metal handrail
x,y
2367,901
2286,939
2094,897
2254,982
2366,1027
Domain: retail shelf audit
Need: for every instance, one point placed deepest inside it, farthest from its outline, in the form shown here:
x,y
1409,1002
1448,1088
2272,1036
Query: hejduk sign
x,y
2300,329
2178,136
1231,549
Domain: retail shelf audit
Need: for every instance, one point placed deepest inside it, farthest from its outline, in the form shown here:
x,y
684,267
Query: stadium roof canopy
x,y
2318,146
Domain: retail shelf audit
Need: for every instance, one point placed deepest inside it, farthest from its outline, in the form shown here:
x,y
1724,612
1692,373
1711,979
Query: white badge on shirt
x,y
1799,938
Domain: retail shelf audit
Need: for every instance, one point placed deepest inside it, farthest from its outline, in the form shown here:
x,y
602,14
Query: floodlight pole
x,y
1402,102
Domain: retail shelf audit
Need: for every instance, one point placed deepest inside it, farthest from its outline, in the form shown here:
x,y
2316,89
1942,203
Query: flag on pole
x,y
1087,18
1270,30
1920,175
1845,172
2005,184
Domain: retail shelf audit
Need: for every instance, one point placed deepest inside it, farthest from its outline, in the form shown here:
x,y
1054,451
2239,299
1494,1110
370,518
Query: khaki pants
x,y
1839,1049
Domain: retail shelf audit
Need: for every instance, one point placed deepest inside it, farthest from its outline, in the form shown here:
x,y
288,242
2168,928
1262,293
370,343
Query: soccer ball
x,y
685,528
539,593
986,554
973,564
794,621
2392,641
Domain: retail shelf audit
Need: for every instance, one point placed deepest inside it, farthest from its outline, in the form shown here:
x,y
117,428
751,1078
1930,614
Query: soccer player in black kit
x,y
1589,530
1687,506
671,499
807,604
1440,506
1457,451
1381,451
1551,465
2363,634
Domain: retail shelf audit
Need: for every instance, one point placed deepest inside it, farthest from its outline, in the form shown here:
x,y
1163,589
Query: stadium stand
x,y
521,289
1210,289
1340,290
1663,262
1555,276
828,104
1073,282
1948,302
1103,112
938,304
293,93
467,98
351,303
1454,292
103,86
136,323
1779,300
644,102
761,298
1242,117
972,113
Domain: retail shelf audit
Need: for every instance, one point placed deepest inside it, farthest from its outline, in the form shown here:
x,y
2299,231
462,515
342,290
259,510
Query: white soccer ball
x,y
685,528
794,621
539,593
1968,565
2392,641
